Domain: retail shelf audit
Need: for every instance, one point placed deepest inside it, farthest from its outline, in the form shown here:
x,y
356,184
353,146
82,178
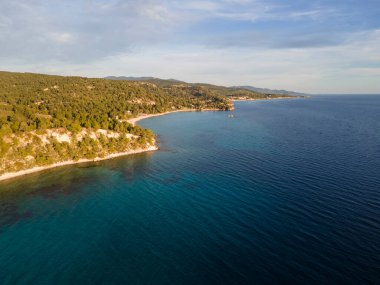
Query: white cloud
x,y
313,14
207,6
62,37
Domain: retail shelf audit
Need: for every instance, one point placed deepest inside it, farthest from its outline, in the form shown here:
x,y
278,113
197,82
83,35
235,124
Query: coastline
x,y
133,121
10,175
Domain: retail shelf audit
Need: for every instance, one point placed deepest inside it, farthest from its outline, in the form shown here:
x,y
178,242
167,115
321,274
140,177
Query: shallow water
x,y
286,192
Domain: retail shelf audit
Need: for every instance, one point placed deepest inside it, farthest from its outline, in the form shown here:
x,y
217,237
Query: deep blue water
x,y
286,192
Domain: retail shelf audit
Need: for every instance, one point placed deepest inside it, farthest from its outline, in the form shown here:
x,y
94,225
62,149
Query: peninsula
x,y
48,121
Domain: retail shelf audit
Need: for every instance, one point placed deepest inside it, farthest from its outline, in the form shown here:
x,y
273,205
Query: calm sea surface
x,y
286,192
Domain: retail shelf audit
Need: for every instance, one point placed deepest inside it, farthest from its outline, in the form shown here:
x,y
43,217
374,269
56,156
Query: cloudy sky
x,y
316,46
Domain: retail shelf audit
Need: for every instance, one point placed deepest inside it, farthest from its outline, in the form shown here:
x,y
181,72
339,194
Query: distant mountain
x,y
164,82
130,78
150,79
269,91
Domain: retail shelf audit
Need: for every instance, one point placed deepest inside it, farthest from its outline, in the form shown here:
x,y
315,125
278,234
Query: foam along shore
x,y
10,175
134,120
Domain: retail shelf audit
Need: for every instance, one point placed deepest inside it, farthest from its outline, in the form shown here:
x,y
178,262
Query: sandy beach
x,y
133,121
10,175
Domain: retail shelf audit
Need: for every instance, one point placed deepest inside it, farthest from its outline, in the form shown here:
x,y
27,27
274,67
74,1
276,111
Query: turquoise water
x,y
286,192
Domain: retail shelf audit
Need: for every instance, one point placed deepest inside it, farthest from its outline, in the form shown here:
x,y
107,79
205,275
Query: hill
x,y
155,80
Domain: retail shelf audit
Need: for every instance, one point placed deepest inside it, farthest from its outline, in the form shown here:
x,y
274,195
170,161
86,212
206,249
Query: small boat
x,y
230,116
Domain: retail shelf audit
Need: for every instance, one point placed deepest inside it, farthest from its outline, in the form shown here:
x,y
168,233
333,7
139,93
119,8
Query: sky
x,y
308,46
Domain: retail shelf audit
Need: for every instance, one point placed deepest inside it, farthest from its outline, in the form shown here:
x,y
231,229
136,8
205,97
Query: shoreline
x,y
10,175
133,121
266,99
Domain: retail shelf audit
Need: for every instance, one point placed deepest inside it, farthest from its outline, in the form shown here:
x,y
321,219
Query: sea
x,y
281,192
